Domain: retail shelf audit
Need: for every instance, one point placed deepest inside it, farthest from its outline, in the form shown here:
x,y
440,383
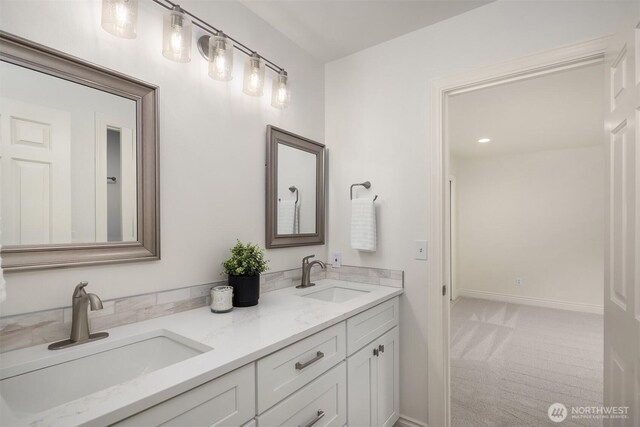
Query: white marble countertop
x,y
239,337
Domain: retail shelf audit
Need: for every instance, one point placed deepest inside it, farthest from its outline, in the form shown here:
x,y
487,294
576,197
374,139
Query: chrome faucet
x,y
80,333
306,271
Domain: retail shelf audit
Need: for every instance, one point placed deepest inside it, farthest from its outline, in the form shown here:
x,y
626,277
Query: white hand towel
x,y
286,216
363,225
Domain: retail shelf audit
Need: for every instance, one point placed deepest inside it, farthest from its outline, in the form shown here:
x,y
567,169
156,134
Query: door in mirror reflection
x,y
67,161
296,191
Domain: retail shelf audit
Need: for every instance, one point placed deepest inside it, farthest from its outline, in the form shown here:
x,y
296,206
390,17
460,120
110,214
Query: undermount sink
x,y
102,366
336,294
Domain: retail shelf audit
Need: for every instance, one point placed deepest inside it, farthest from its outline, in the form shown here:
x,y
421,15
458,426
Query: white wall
x,y
537,216
211,135
376,129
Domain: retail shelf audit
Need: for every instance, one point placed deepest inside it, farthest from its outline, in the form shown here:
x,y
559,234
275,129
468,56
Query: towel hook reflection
x,y
366,184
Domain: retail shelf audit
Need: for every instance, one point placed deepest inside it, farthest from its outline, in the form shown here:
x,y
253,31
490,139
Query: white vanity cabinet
x,y
344,375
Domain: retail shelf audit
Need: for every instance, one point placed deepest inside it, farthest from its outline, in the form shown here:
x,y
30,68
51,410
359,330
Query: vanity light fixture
x,y
220,57
176,40
119,17
253,84
484,140
280,93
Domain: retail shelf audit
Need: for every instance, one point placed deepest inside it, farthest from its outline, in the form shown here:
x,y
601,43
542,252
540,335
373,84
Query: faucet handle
x,y
307,258
79,290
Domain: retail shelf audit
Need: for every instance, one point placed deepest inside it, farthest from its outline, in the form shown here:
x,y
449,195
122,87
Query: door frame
x,y
452,237
537,64
128,166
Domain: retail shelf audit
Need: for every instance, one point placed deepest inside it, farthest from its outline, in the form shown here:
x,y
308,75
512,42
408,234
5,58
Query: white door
x,y
622,261
36,181
388,378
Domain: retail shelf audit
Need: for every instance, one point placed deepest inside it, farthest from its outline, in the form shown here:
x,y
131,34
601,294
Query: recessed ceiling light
x,y
483,140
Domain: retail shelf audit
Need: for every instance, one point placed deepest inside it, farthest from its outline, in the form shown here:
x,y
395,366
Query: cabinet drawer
x,y
289,369
324,401
225,401
369,325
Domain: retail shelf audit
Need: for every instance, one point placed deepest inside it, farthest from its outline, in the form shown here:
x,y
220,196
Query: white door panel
x,y
35,174
622,261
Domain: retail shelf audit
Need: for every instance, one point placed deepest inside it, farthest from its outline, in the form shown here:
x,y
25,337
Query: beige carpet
x,y
509,362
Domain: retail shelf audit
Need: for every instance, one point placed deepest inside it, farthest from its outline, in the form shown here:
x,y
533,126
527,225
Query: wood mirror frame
x,y
24,53
277,136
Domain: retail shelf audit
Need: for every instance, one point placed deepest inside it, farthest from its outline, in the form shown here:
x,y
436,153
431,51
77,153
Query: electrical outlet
x,y
519,281
336,259
421,249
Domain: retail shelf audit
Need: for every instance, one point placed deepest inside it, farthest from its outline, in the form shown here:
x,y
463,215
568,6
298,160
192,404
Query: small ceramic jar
x,y
221,299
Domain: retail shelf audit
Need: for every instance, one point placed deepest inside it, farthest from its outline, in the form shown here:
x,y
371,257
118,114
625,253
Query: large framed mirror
x,y
295,190
78,161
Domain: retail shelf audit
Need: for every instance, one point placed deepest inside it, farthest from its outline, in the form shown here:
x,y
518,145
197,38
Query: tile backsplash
x,y
25,330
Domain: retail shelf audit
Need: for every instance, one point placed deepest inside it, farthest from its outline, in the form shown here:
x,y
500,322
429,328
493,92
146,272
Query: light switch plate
x,y
421,249
336,259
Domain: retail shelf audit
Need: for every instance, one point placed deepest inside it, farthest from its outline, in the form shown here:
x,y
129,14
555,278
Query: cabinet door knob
x,y
376,352
381,348
318,417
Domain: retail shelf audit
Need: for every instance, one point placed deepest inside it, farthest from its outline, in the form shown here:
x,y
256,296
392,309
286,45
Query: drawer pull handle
x,y
317,418
381,348
301,366
376,352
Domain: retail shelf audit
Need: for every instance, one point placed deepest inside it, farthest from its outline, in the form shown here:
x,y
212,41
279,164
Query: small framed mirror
x,y
295,190
79,161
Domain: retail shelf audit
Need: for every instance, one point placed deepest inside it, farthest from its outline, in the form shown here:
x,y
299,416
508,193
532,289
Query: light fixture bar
x,y
167,4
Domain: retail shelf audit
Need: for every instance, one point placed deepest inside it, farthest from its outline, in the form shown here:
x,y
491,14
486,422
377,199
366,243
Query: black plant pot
x,y
246,290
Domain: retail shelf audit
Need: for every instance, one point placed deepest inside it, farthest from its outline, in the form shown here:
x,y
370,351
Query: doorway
x,y
527,326
622,236
577,55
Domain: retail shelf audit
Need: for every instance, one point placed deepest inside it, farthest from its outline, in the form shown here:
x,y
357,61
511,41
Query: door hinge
x,y
444,290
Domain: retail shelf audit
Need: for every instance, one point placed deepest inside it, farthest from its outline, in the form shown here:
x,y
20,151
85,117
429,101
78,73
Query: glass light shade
x,y
119,17
280,92
220,58
176,40
254,76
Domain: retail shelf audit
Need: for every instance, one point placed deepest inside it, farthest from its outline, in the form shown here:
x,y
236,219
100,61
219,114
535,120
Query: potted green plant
x,y
244,267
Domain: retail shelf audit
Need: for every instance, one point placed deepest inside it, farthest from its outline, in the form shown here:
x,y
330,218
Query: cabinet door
x,y
362,386
388,387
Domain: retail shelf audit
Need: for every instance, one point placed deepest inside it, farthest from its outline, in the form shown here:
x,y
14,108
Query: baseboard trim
x,y
538,302
405,421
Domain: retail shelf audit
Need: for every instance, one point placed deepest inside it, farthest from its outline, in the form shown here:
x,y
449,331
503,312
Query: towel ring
x,y
365,184
292,189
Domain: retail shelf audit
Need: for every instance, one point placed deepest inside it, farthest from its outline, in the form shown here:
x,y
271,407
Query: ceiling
x,y
331,29
564,109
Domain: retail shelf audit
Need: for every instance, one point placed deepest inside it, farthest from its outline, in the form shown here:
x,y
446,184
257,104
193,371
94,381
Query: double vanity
x,y
324,356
